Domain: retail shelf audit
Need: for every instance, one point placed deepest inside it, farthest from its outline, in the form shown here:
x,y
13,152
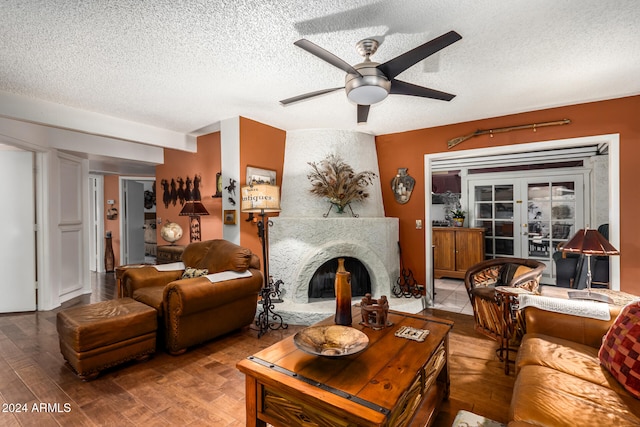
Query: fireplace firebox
x,y
322,284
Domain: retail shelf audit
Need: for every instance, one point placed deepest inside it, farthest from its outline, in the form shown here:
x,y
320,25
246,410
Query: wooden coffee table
x,y
393,382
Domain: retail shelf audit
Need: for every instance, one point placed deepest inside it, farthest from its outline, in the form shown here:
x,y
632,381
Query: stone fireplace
x,y
300,246
302,239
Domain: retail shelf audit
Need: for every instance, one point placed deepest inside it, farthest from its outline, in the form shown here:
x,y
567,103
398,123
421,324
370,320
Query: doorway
x,y
96,224
527,214
454,159
137,220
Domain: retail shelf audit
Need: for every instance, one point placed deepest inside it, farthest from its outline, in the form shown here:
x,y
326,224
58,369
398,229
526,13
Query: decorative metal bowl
x,y
331,341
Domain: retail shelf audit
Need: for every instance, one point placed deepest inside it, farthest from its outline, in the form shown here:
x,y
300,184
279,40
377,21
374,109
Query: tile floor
x,y
451,295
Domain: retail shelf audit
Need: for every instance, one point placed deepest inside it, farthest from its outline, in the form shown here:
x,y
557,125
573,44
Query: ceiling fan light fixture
x,y
367,89
367,95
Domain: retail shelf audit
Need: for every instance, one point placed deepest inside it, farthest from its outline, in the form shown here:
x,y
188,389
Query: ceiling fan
x,y
370,82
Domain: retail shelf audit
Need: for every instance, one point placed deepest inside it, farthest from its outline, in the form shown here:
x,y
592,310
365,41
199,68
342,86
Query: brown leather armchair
x,y
195,310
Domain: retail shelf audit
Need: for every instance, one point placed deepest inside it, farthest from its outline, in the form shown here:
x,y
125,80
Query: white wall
x,y
357,149
230,160
599,191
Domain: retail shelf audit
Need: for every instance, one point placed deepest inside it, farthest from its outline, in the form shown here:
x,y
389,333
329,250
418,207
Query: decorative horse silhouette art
x,y
166,196
184,190
196,187
174,192
188,192
181,195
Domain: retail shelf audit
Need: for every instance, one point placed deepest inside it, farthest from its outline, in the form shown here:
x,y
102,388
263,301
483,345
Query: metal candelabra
x,y
270,292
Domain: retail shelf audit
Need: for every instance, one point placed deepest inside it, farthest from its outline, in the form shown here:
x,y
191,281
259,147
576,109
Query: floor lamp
x,y
262,199
589,242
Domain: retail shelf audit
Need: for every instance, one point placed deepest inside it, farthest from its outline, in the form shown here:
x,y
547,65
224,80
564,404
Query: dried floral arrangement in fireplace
x,y
336,181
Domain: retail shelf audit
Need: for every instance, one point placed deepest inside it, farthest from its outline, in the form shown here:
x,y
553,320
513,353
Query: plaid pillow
x,y
487,277
620,349
191,272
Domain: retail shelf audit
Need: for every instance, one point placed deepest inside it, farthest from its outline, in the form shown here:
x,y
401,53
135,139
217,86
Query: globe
x,y
171,232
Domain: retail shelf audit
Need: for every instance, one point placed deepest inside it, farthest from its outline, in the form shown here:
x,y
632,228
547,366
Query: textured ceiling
x,y
186,65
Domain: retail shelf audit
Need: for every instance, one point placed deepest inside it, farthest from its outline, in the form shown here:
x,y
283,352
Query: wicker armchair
x,y
481,280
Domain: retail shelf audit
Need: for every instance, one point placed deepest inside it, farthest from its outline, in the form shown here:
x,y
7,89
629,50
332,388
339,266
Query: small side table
x,y
512,326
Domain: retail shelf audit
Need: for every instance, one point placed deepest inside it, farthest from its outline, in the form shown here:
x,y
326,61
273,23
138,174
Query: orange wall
x,y
112,191
407,149
206,163
261,146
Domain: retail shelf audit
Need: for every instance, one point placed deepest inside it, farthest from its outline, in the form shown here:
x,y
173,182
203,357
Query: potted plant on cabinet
x,y
458,216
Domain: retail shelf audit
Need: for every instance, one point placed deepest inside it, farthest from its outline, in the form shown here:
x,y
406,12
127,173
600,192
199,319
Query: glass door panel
x,y
504,247
503,211
504,228
563,212
538,219
493,210
503,193
552,217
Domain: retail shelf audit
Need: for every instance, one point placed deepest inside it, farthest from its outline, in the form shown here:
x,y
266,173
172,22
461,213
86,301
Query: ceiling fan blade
x,y
363,113
309,95
327,56
398,87
397,65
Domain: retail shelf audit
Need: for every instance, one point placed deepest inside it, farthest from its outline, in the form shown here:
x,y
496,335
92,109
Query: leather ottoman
x,y
97,336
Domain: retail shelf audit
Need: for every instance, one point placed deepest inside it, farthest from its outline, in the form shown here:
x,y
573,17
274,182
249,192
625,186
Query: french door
x,y
527,216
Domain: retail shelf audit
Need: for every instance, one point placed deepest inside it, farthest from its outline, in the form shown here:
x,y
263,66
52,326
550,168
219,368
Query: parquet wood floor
x,y
199,388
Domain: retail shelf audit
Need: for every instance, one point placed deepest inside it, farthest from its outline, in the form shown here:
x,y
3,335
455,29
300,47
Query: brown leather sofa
x,y
560,381
195,310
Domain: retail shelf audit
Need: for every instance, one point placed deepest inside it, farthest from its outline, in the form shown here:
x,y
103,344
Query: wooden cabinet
x,y
169,253
455,249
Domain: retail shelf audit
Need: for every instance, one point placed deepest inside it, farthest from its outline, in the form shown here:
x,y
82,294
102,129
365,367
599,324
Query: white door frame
x,y
613,141
96,211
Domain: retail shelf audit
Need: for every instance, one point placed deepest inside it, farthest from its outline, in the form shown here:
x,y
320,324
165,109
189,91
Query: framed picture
x,y
260,176
230,217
